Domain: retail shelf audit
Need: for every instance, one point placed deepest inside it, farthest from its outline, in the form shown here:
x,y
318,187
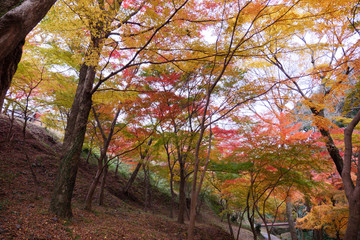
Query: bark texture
x,y
173,195
138,166
147,190
290,219
8,67
74,138
352,191
230,225
182,196
132,178
17,19
7,5
330,145
102,187
91,191
102,160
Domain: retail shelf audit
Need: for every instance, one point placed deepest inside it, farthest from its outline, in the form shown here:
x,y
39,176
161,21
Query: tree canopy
x,y
255,100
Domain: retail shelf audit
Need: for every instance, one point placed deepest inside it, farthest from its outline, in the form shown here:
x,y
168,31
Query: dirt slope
x,y
27,171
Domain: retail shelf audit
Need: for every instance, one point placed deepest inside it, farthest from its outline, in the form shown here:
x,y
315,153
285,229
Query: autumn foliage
x,y
256,101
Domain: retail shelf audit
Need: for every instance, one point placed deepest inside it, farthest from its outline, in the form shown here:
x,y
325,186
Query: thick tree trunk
x,y
352,229
17,19
290,219
352,191
8,66
65,181
74,138
318,234
102,186
132,178
7,5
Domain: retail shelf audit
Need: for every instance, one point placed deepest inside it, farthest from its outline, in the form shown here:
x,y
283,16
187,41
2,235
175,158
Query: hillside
x,y
27,172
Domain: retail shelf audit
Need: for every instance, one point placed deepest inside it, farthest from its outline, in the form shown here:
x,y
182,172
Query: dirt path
x,y
210,217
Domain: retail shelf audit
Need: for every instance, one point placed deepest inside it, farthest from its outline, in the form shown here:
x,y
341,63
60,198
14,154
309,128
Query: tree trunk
x,y
147,190
138,166
251,222
74,138
88,156
117,168
230,225
102,187
10,134
196,186
318,234
171,181
353,220
290,219
7,5
172,195
132,178
182,197
90,194
352,191
199,204
17,19
240,224
102,161
8,66
330,145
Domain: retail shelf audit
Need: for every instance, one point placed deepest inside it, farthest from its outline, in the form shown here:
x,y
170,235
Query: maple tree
x,y
176,99
181,87
246,22
317,65
331,215
276,160
102,160
171,161
101,24
106,128
24,91
142,161
179,100
117,136
332,76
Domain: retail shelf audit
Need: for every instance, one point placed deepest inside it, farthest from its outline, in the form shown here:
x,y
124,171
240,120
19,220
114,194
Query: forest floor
x,y
27,172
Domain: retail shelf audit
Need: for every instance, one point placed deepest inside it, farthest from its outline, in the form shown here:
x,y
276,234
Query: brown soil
x,y
27,172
